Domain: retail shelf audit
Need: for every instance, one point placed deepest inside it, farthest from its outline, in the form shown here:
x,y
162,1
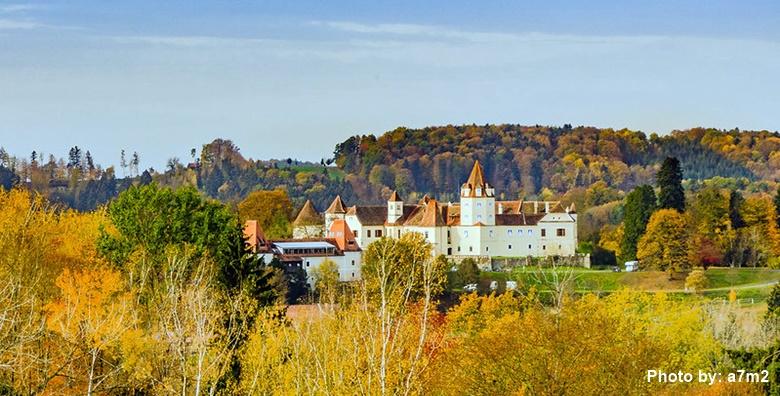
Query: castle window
x,y
544,232
560,232
471,249
307,264
458,248
368,233
510,247
486,248
519,232
353,262
544,247
465,234
397,206
509,233
530,232
529,247
479,204
353,274
399,233
479,191
426,234
354,233
479,217
378,233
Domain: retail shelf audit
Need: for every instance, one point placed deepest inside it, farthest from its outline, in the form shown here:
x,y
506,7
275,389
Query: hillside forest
x,y
595,169
130,281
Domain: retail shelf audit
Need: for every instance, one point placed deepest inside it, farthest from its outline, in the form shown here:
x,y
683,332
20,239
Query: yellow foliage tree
x,y
593,346
90,317
664,246
696,281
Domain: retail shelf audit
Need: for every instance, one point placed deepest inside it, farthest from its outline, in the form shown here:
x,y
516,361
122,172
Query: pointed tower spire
x,y
308,215
477,177
337,206
394,197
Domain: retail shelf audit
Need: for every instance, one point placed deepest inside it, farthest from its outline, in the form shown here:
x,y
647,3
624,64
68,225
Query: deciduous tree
x,y
664,246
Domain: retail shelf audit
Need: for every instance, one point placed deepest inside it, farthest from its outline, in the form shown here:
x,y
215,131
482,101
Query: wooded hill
x,y
597,165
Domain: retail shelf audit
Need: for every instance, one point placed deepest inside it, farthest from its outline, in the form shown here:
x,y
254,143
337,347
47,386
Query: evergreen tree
x,y
735,206
773,302
669,181
777,206
146,178
8,178
74,158
90,161
468,272
640,204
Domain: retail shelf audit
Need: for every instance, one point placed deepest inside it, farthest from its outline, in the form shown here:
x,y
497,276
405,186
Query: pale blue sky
x,y
294,78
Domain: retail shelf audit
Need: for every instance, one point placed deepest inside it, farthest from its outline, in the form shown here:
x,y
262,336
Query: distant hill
x,y
523,160
587,165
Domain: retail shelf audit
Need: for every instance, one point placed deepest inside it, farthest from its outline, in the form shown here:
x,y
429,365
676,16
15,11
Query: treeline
x,y
522,161
667,229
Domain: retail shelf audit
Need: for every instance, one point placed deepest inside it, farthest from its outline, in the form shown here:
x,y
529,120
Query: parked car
x,y
470,287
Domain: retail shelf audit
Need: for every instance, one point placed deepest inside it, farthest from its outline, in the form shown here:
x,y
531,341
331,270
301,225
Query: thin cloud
x,y
405,29
190,41
15,8
11,24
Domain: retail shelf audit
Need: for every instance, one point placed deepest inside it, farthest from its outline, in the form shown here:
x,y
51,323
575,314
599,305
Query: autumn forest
x,y
132,280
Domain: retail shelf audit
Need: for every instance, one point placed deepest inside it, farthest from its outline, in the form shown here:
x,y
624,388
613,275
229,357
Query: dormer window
x,y
479,191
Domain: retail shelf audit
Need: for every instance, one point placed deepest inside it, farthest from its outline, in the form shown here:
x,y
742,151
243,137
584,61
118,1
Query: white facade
x,y
478,225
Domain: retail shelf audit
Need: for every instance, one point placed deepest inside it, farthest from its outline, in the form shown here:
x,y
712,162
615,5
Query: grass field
x,y
749,283
334,173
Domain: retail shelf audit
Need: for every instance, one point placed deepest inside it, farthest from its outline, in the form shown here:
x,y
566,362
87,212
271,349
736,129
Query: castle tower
x,y
308,223
395,208
477,199
335,211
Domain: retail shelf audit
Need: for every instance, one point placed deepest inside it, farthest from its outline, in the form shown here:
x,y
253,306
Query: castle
x,y
477,226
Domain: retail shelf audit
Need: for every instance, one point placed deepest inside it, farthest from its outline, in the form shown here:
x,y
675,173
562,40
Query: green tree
x,y
150,219
640,204
295,281
773,302
467,272
271,209
669,181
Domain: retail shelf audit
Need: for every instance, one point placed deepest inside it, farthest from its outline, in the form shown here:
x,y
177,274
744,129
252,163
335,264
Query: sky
x,y
293,78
